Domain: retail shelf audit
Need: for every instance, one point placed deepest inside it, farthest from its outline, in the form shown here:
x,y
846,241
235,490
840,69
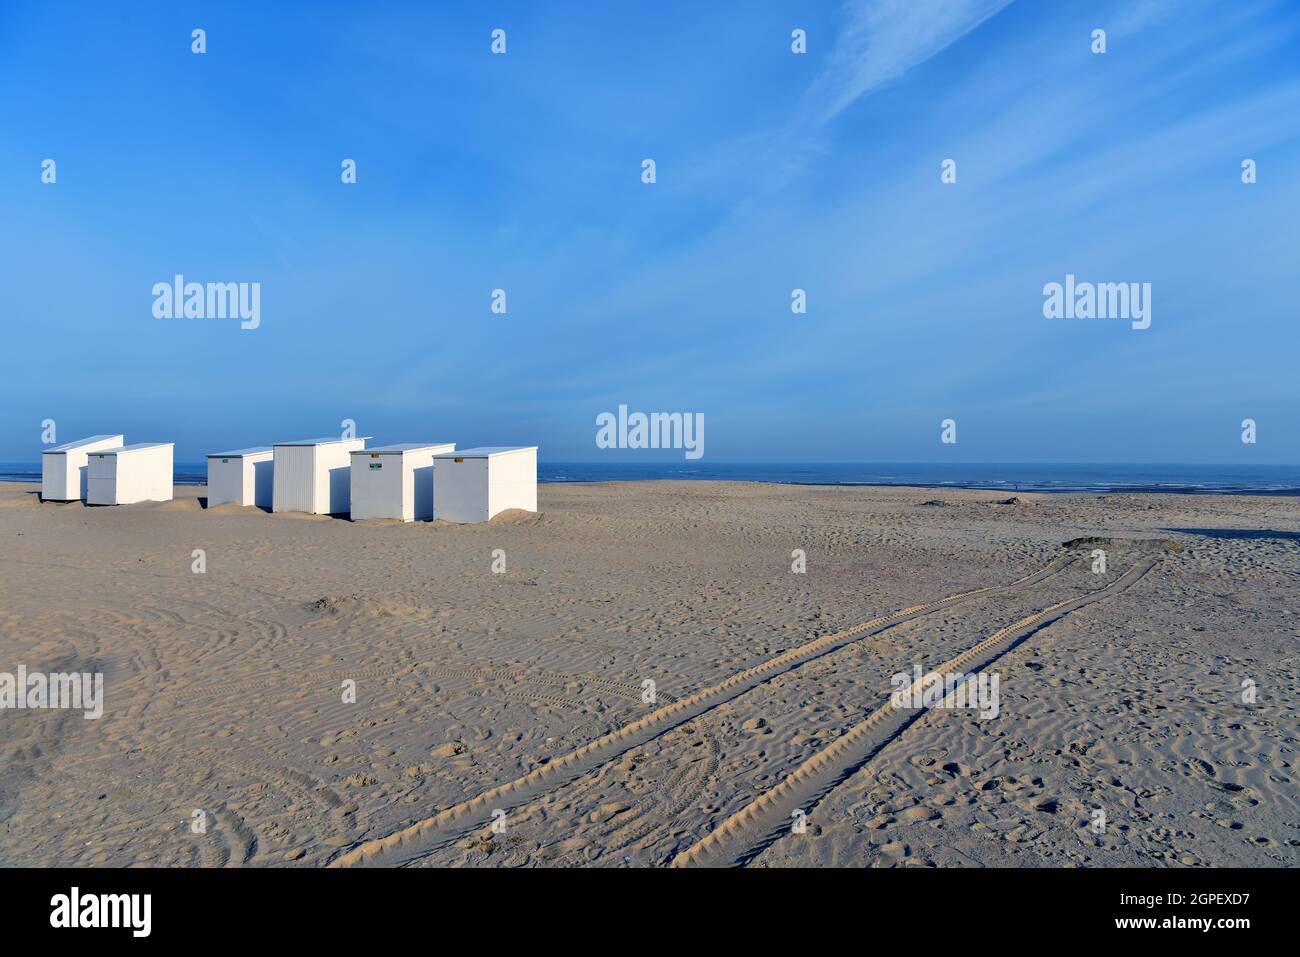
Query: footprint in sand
x,y
918,813
893,853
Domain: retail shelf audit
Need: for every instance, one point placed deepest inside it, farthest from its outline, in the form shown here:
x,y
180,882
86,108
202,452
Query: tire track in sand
x,y
422,837
748,832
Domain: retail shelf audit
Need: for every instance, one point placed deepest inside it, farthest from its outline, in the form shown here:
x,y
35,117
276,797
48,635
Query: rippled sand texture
x,y
518,697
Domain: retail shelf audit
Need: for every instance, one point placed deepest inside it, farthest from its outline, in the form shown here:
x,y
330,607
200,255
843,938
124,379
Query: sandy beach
x,y
520,697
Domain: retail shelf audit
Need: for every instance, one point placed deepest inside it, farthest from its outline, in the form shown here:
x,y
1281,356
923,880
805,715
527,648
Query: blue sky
x,y
775,171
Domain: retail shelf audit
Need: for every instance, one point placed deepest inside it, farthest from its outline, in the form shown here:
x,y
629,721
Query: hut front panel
x,y
226,481
294,485
460,489
377,488
101,480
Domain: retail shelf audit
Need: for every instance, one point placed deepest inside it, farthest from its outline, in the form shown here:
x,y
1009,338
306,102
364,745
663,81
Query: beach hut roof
x,y
240,453
400,447
79,443
485,451
328,440
134,448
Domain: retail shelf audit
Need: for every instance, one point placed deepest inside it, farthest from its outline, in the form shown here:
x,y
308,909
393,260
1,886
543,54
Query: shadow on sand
x,y
1239,533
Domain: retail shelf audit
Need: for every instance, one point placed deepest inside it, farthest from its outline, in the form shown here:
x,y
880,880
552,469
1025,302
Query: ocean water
x,y
1181,479
1184,479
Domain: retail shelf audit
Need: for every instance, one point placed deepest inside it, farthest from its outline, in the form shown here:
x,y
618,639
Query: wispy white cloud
x,y
883,39
1141,14
879,41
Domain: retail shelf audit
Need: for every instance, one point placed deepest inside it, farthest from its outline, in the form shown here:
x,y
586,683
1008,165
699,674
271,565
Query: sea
x,y
1017,477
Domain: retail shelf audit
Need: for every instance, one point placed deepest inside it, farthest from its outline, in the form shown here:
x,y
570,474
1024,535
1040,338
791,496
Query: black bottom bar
x,y
359,907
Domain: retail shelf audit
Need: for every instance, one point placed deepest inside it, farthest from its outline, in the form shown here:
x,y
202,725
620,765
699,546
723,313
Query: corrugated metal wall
x,y
294,481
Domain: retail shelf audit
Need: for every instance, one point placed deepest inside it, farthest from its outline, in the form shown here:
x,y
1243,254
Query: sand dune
x,y
522,693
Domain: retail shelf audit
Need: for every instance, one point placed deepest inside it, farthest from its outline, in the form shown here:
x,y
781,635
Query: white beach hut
x,y
395,481
474,484
314,475
63,469
242,476
132,473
